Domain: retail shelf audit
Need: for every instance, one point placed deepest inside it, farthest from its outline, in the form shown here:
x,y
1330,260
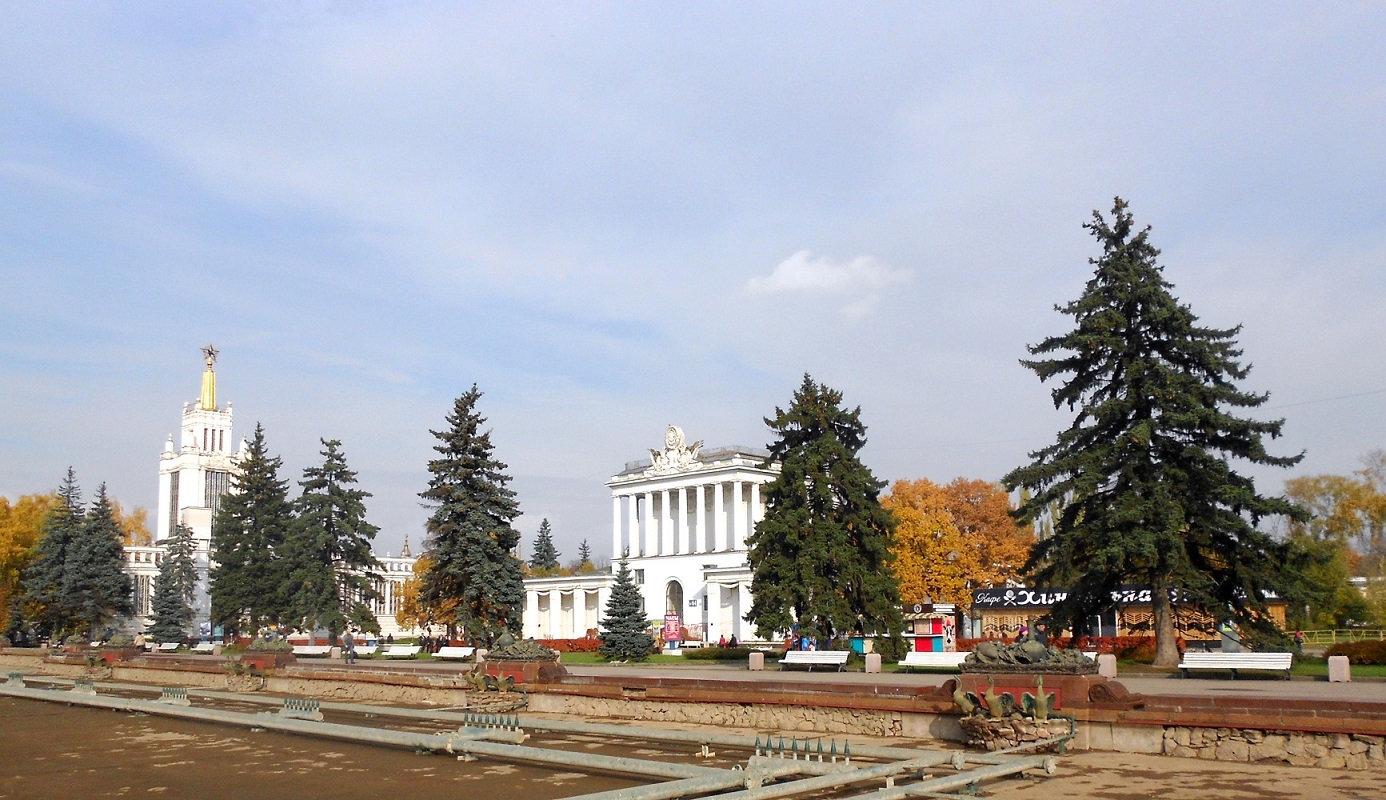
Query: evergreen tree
x,y
625,634
247,576
471,540
584,554
821,556
174,588
94,579
1148,495
328,558
46,603
545,557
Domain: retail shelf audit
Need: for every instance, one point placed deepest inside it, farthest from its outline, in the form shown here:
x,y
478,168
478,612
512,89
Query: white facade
x,y
681,518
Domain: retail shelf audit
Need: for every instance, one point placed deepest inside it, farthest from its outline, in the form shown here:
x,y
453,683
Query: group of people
x,y
725,642
432,644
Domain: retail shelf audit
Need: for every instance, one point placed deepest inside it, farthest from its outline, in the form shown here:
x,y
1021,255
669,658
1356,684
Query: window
x,y
172,501
217,485
639,577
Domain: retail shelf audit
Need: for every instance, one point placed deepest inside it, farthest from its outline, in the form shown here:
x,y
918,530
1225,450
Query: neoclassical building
x,y
681,518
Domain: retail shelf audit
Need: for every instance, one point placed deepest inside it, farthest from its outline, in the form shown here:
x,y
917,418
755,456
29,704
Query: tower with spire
x,y
196,472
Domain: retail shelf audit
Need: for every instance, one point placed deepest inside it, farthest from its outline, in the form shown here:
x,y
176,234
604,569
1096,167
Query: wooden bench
x,y
457,653
400,650
168,647
815,658
925,658
1269,662
205,648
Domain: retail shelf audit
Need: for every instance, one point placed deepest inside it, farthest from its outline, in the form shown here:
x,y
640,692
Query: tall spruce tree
x,y
471,540
174,588
625,634
1142,475
545,556
328,559
820,558
247,576
584,554
94,579
46,604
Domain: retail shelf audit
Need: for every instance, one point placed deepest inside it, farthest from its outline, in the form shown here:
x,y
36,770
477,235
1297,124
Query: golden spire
x,y
209,381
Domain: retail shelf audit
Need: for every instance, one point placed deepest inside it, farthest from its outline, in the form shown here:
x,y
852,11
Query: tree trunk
x,y
1166,640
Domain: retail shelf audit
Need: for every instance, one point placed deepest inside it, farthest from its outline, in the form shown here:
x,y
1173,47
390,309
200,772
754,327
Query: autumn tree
x,y
21,524
414,611
820,558
981,511
133,524
471,536
1144,468
932,560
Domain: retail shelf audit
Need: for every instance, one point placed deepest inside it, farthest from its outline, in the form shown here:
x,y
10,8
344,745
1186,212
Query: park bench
x,y
458,653
400,650
367,649
815,658
312,650
1271,662
205,648
918,658
168,647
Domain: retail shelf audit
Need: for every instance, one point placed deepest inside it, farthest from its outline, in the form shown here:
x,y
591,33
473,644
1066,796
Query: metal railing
x,y
1344,635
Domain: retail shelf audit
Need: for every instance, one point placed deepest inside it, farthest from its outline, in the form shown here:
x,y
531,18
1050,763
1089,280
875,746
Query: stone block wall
x,y
1329,750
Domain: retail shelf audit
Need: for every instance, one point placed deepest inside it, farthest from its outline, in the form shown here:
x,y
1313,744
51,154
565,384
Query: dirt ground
x,y
48,750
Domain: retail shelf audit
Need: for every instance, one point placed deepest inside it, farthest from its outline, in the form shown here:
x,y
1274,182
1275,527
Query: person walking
x,y
349,647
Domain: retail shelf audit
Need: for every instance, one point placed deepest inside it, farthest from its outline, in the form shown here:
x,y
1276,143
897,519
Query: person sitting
x,y
732,641
722,642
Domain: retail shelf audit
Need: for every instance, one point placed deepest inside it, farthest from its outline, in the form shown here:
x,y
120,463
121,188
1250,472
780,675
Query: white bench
x,y
367,649
925,658
400,650
815,658
1273,662
168,647
206,648
313,650
458,653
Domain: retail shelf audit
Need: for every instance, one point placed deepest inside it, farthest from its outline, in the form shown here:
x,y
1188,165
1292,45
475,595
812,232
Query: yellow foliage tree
x,y
982,512
134,525
21,523
414,612
931,559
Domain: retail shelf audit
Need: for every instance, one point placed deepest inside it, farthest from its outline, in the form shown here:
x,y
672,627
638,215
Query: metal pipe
x,y
942,784
835,779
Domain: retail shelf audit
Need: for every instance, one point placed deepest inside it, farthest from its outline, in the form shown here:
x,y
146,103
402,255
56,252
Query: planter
x,y
526,671
113,654
267,661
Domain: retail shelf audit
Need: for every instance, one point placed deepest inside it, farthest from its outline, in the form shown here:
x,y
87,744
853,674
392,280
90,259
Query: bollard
x,y
873,662
1106,665
757,662
1339,669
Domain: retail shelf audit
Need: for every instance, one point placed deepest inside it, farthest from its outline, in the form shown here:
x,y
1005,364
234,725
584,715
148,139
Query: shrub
x,y
267,646
121,640
583,645
889,648
717,653
5,641
1364,653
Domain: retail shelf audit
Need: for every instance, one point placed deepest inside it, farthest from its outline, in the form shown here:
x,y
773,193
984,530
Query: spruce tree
x,y
328,558
174,588
625,634
584,554
1143,477
471,539
94,579
545,556
821,556
247,575
47,605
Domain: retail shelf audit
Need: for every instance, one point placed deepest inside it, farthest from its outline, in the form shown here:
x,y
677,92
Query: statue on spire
x,y
208,401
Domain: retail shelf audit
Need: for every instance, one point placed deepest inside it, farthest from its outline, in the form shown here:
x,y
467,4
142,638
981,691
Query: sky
x,y
614,217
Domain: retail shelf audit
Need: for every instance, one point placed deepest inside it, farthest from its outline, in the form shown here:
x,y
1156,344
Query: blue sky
x,y
613,217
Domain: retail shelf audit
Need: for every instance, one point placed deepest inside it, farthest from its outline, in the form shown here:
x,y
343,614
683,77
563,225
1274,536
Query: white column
x,y
555,614
666,524
633,526
719,518
700,540
603,597
738,517
757,513
530,624
615,527
651,527
681,545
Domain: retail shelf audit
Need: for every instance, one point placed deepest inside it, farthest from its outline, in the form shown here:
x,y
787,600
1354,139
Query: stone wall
x,y
1330,750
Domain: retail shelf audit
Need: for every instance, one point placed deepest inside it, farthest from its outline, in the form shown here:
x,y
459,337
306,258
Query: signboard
x,y
672,626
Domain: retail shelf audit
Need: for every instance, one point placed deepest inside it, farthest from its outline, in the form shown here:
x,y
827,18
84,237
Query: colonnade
x,y
682,520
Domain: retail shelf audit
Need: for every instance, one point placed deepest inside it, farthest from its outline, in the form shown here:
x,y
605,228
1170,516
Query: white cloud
x,y
859,280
